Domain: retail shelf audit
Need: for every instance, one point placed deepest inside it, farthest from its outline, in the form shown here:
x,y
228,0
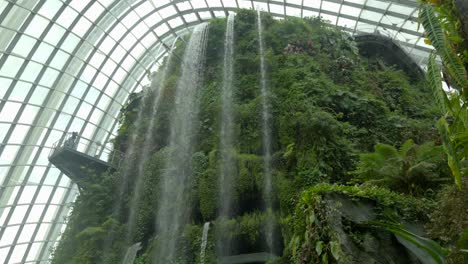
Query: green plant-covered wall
x,y
342,123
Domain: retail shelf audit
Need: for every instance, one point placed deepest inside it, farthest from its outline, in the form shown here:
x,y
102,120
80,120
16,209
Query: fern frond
x,y
406,147
432,27
452,158
434,80
435,33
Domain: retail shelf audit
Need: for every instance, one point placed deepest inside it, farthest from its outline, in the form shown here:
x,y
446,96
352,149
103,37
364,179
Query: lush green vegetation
x,y
345,127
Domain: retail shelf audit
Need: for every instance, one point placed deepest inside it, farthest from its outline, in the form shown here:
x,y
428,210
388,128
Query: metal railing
x,y
91,148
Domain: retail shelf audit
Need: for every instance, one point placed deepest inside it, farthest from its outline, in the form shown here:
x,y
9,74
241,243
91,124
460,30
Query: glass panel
x,y
400,9
36,174
70,43
19,251
27,195
9,235
19,212
19,133
70,105
190,18
150,39
3,216
349,10
84,110
44,194
11,66
374,16
9,155
139,30
55,34
59,60
43,52
79,89
77,124
34,251
62,122
35,213
130,19
52,176
88,74
4,85
82,27
67,17
31,71
20,91
24,46
109,67
26,234
4,253
144,9
278,9
94,11
41,234
63,182
49,77
100,81
128,42
79,5
118,31
50,214
107,45
43,158
36,27
50,8
9,111
38,96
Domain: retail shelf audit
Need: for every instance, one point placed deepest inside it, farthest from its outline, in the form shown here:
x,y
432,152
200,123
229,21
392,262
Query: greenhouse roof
x,y
69,65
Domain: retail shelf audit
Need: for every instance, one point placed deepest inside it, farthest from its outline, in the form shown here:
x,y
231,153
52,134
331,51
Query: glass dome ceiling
x,y
69,65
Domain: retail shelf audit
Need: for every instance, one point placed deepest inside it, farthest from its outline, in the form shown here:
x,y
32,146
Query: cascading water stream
x,y
173,204
266,136
126,171
156,87
206,228
228,166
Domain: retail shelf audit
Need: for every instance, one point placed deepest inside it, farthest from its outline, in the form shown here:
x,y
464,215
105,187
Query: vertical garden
x,y
354,169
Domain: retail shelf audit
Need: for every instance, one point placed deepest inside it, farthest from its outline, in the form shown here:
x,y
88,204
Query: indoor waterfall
x,y
173,204
228,166
266,139
206,228
126,172
155,89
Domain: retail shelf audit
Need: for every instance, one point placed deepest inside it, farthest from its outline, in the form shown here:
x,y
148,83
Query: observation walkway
x,y
78,157
377,44
260,257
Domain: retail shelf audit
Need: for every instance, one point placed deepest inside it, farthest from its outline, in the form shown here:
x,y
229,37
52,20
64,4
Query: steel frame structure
x,y
69,65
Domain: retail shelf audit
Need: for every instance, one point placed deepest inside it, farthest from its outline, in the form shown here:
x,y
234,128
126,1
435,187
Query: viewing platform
x,y
77,157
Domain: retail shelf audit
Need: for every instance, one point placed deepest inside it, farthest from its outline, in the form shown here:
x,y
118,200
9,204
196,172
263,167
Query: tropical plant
x,y
412,169
425,249
454,134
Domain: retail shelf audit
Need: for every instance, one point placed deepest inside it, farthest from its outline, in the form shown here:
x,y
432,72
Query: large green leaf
x,y
452,158
426,250
434,80
435,34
